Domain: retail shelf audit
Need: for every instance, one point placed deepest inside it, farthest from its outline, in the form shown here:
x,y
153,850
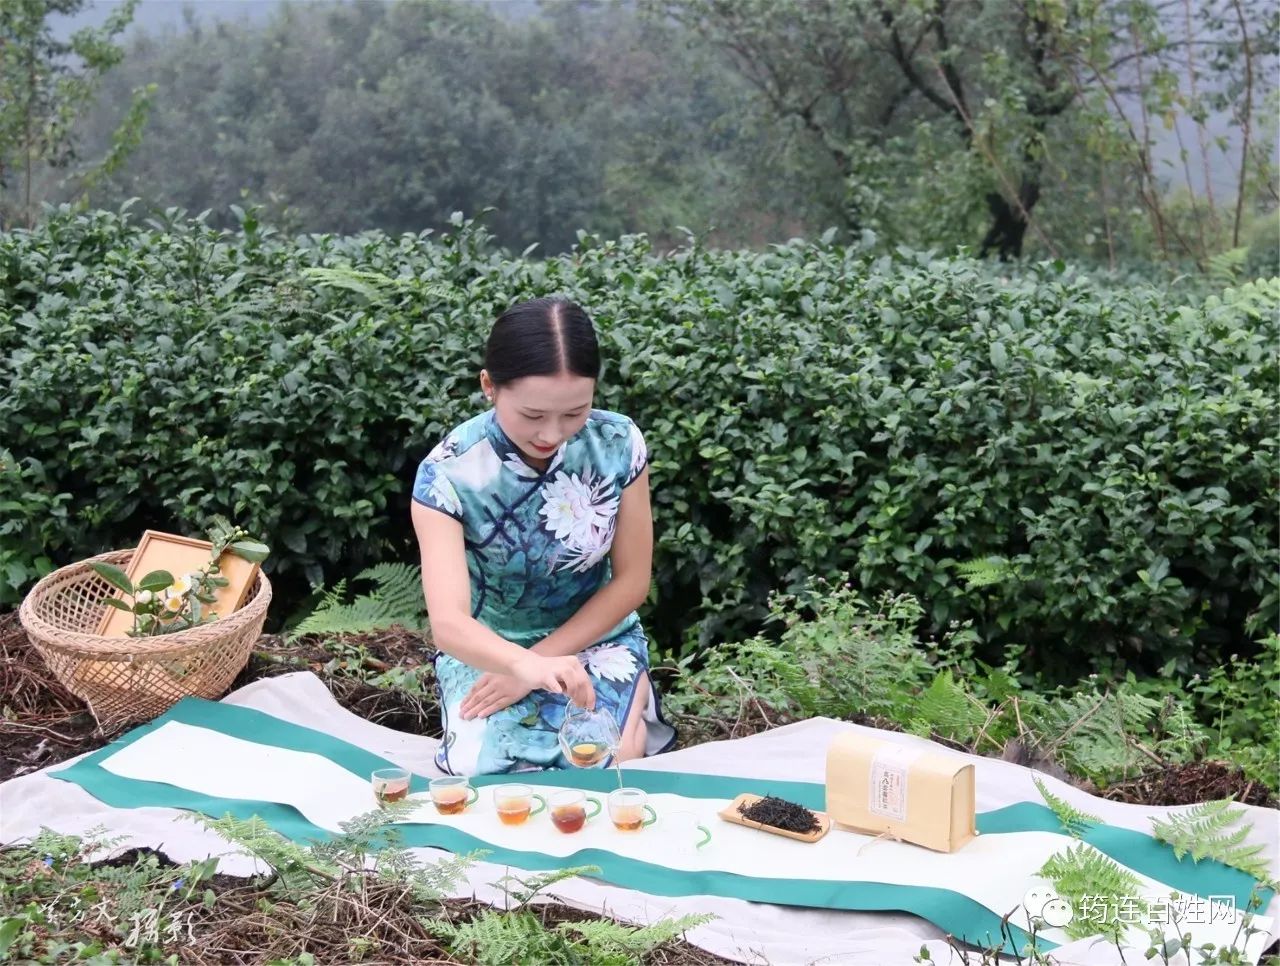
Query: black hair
x,y
542,337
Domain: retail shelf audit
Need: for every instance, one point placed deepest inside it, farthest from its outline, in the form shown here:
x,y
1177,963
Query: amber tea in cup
x,y
452,794
515,803
587,753
569,810
390,785
629,811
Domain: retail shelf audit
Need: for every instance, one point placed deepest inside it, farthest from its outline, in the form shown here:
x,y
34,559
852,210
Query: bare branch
x,y
1246,121
906,64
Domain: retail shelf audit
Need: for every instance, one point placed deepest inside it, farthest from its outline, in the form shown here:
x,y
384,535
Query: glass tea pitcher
x,y
588,738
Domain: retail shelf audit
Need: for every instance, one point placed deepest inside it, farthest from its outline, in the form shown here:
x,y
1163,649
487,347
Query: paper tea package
x,y
921,796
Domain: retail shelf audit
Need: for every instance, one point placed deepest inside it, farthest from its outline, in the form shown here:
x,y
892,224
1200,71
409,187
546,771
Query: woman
x,y
536,536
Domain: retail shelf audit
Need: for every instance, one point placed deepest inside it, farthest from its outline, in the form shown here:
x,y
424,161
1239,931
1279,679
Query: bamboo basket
x,y
128,679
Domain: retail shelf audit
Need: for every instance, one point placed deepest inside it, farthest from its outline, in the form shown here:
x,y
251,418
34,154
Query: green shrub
x,y
808,409
841,657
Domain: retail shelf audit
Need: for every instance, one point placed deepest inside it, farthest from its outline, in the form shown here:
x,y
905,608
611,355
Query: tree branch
x,y
906,65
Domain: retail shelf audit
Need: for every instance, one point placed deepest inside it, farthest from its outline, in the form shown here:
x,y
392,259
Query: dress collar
x,y
509,453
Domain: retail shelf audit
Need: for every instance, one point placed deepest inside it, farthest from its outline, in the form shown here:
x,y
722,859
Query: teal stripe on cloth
x,y
951,911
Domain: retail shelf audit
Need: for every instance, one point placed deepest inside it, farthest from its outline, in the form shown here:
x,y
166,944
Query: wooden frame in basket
x,y
181,555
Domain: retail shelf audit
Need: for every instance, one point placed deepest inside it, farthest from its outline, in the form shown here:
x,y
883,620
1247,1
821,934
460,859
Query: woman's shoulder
x,y
459,440
607,422
616,444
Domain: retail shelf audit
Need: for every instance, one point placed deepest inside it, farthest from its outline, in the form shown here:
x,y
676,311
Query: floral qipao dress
x,y
537,546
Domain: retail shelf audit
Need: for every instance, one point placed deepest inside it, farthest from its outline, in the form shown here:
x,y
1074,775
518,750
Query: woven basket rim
x,y
44,634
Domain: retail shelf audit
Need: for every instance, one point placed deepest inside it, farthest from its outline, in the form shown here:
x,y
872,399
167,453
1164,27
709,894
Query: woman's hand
x,y
559,675
492,692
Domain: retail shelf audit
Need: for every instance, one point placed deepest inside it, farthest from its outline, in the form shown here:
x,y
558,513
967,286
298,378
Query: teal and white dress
x,y
537,546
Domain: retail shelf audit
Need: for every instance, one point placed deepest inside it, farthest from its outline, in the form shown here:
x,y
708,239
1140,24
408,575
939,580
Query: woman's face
x,y
541,412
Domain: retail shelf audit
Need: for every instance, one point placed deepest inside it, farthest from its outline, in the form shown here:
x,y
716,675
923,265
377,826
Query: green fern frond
x,y
296,869
396,598
986,572
1087,731
1225,267
1082,871
1074,822
437,880
399,586
947,709
499,938
605,938
1206,832
533,884
372,285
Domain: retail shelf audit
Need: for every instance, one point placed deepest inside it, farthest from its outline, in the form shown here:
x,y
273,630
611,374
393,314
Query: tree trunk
x,y
1009,221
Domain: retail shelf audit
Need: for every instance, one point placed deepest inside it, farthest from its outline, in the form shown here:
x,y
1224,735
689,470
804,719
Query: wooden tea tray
x,y
730,813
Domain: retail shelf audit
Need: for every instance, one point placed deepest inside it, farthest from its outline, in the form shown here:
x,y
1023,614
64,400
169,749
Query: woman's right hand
x,y
559,675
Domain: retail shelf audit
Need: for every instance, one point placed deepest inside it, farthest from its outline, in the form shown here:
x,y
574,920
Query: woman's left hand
x,y
491,693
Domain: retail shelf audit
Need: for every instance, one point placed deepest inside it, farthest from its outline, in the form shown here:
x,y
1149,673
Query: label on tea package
x,y
888,784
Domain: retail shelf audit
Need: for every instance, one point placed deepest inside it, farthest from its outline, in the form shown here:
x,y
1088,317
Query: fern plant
x,y
1074,822
838,656
499,938
1213,831
986,572
374,286
1090,733
519,936
1226,267
296,869
946,708
1098,889
396,598
525,890
606,939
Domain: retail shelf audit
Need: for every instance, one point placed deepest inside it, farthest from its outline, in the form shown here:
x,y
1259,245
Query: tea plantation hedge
x,y
809,410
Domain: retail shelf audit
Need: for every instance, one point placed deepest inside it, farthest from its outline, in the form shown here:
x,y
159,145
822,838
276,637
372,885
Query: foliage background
x,y
1124,133
1104,448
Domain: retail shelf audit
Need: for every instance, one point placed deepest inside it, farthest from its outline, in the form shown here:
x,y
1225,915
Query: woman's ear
x,y
486,385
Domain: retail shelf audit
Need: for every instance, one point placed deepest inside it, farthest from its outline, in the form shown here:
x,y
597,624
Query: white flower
x,y
173,604
444,449
518,466
143,597
577,509
611,661
638,452
179,587
445,495
476,469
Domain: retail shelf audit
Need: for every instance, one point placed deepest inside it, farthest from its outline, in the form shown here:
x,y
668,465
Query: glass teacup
x,y
569,810
515,803
687,833
452,794
628,808
390,785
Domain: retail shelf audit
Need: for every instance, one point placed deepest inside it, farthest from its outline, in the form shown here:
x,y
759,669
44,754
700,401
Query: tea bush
x,y
809,409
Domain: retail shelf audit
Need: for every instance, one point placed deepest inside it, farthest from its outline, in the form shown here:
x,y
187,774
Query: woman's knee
x,y
636,730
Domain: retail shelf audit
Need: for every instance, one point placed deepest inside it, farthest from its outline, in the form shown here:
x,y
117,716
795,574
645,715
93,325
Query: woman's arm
x,y
632,559
448,592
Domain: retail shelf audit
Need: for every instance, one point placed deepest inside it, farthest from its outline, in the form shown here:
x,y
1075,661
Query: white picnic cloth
x,y
743,931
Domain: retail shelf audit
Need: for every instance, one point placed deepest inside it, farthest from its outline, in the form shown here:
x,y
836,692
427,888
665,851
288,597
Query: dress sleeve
x,y
639,457
432,488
